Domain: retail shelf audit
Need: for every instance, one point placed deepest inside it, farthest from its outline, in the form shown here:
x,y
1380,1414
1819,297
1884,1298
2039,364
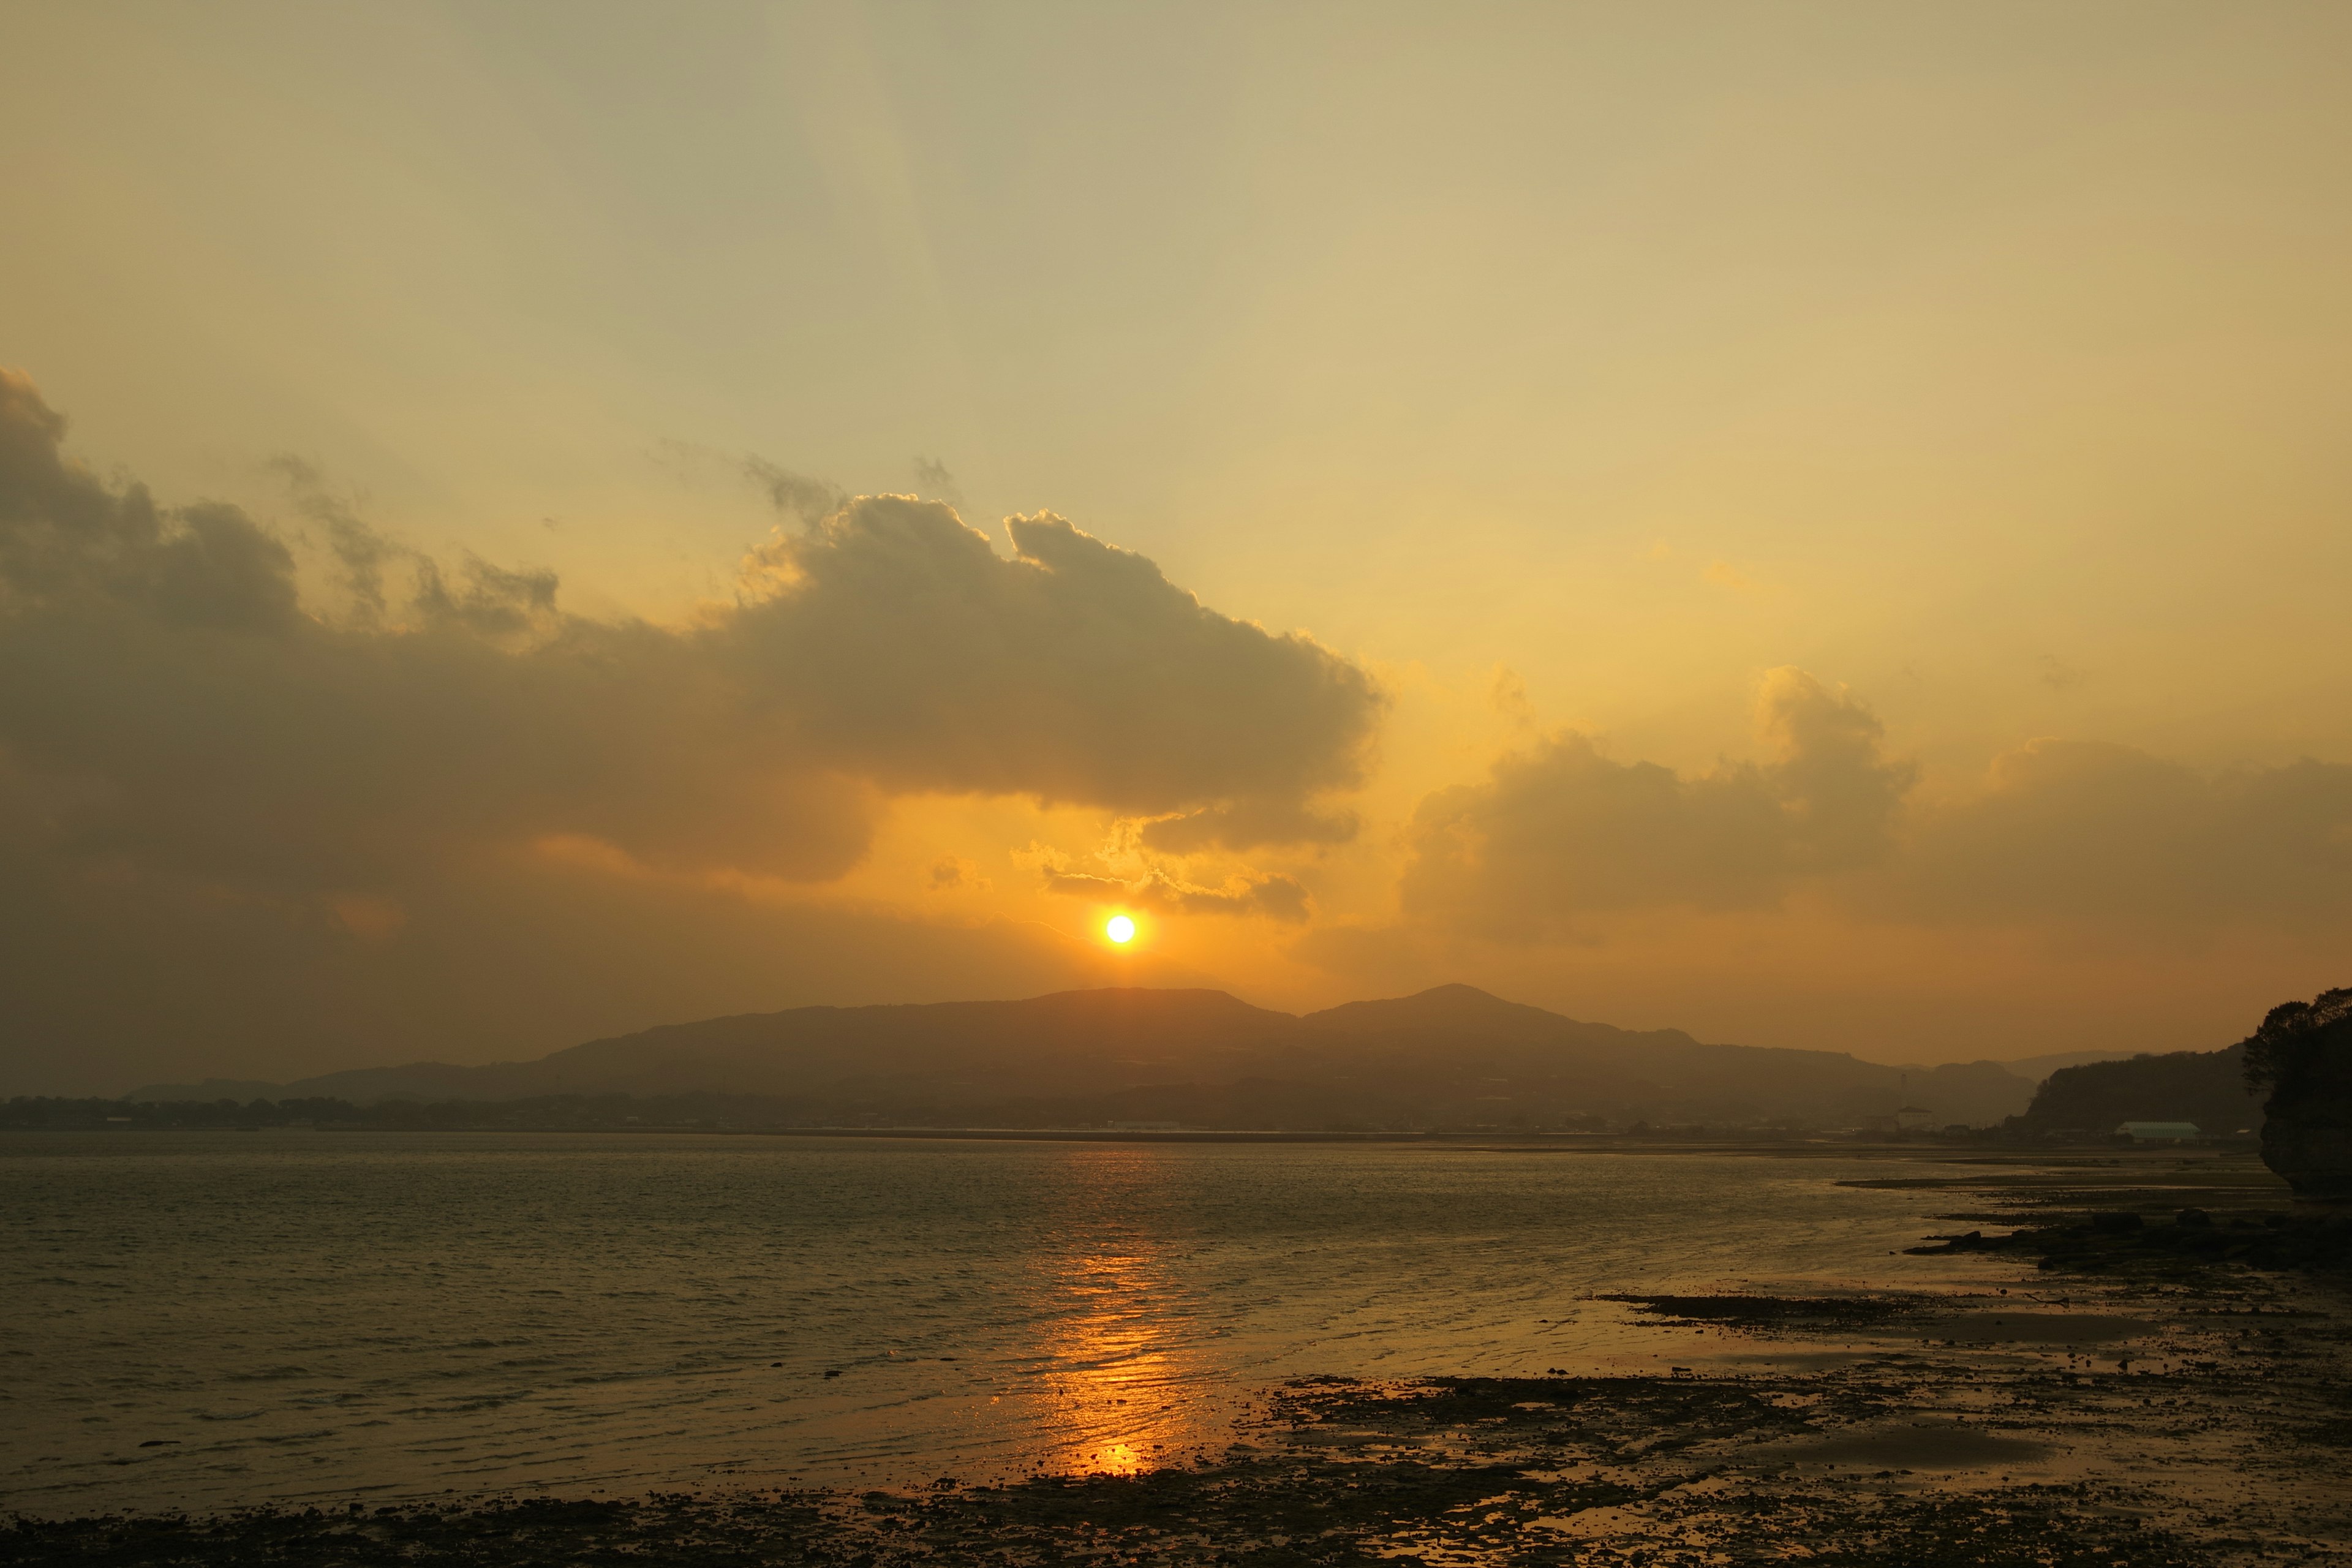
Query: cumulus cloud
x,y
1560,831
175,708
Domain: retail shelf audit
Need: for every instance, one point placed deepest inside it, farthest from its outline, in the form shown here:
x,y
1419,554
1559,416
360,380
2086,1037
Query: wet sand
x,y
2132,1396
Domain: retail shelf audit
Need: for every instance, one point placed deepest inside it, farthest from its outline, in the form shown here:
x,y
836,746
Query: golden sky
x,y
1817,524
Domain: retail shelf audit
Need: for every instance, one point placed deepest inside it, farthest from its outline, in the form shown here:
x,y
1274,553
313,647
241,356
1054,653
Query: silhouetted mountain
x,y
1457,1032
2207,1087
1454,1010
1454,1056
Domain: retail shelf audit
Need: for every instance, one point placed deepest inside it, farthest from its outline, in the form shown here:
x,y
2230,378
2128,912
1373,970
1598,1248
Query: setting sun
x,y
1120,930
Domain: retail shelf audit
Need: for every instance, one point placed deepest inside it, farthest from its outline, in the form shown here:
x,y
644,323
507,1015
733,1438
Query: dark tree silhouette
x,y
2289,1049
2302,1055
2207,1087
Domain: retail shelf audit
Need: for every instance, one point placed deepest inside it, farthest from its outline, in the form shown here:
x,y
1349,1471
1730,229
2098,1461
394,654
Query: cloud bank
x,y
198,715
173,700
2058,833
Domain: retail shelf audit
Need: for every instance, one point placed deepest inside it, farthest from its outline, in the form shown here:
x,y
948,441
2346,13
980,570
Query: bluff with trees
x,y
2302,1055
2292,1077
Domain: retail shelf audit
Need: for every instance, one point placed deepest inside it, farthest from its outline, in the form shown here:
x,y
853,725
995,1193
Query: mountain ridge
x,y
1452,1055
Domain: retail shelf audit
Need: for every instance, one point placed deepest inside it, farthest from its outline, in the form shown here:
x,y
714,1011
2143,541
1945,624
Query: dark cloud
x,y
934,482
795,495
1560,831
175,714
361,554
1073,671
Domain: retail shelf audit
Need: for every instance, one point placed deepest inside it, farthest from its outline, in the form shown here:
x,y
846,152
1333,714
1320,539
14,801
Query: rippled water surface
x,y
210,1319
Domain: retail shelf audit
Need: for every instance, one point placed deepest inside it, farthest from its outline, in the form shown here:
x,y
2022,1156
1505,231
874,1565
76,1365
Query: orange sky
x,y
1819,526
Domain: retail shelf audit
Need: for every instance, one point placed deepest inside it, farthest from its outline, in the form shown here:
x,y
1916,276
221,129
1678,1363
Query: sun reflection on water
x,y
1124,1361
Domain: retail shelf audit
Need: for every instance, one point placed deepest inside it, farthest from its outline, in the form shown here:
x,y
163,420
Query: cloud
x,y
2058,833
1271,893
953,873
795,495
363,555
933,481
162,658
1561,832
2056,674
1073,672
177,714
1247,824
2083,831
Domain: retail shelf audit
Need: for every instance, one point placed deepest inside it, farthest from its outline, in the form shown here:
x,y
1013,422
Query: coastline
x,y
2119,1401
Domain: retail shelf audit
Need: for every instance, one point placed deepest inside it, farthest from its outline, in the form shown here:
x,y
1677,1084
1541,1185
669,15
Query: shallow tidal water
x,y
215,1320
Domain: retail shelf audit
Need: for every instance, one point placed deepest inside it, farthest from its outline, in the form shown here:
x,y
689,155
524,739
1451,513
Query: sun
x,y
1119,928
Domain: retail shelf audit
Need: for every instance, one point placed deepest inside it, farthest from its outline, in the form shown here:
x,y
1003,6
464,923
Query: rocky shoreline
x,y
2173,1389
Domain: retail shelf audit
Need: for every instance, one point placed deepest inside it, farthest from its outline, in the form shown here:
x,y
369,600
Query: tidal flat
x,y
2174,1392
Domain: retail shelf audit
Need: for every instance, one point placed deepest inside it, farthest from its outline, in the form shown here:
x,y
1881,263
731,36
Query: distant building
x,y
1912,1117
2160,1131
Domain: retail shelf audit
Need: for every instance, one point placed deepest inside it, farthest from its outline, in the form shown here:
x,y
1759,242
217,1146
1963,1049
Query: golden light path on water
x,y
1126,1363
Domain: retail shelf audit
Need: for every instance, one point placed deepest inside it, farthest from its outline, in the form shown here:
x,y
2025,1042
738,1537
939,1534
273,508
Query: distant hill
x,y
1454,1056
2207,1087
2037,1068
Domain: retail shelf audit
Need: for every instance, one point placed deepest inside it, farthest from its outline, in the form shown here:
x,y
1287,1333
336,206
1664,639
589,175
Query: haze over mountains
x,y
1453,1056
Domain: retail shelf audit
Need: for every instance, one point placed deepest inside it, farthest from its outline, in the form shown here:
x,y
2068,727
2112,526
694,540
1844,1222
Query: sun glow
x,y
1119,928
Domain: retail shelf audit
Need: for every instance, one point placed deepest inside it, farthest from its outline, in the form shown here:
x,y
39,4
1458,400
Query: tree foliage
x,y
2288,1055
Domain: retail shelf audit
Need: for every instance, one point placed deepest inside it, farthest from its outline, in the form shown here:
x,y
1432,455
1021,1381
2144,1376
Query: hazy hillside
x,y
2033,1069
1454,1056
2039,1068
1457,1034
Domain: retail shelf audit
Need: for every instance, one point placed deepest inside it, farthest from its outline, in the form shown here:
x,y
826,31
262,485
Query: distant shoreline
x,y
1665,1141
1974,1149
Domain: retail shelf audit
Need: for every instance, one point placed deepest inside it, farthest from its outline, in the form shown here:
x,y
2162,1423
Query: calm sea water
x,y
213,1320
